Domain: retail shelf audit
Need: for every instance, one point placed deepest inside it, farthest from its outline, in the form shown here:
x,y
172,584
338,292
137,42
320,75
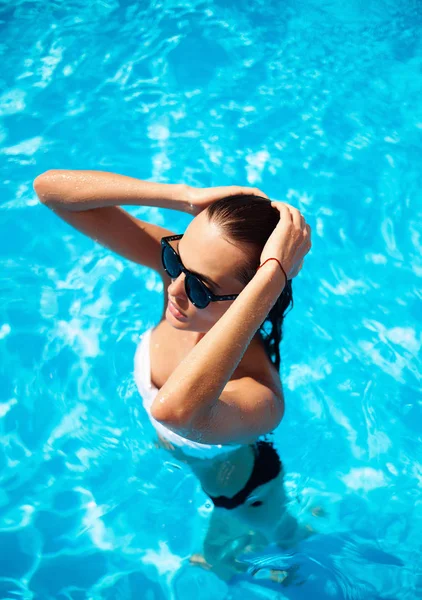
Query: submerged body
x,y
208,461
244,481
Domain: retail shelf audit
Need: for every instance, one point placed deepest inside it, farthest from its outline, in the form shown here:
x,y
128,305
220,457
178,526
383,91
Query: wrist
x,y
189,195
273,273
276,260
176,196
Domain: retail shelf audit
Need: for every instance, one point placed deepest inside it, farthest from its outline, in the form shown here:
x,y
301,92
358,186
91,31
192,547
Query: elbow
x,y
174,419
45,188
279,404
276,409
159,413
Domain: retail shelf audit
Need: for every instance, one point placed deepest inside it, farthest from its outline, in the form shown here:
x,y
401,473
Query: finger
x,y
283,209
258,192
289,206
308,234
249,191
297,218
301,217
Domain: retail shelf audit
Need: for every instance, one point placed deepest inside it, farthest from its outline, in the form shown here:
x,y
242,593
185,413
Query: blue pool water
x,y
317,102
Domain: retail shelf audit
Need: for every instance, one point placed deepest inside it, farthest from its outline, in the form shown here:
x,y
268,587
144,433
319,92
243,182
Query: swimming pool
x,y
316,102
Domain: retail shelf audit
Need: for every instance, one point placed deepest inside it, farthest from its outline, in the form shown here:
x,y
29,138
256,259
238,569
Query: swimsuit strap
x,y
267,465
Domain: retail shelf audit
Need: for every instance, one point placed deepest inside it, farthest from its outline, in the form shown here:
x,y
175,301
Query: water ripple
x,y
316,102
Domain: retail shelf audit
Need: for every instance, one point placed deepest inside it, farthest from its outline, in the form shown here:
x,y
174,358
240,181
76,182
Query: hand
x,y
290,240
201,198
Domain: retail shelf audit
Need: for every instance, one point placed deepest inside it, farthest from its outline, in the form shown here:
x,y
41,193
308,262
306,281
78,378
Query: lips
x,y
177,308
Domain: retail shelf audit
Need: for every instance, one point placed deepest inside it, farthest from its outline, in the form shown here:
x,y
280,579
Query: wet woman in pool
x,y
208,373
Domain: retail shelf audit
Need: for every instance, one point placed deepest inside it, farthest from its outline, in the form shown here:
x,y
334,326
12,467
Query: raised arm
x,y
85,190
89,201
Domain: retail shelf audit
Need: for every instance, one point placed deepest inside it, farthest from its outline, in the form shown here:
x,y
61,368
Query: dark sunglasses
x,y
196,290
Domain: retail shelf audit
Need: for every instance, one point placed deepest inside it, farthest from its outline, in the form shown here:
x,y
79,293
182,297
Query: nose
x,y
177,287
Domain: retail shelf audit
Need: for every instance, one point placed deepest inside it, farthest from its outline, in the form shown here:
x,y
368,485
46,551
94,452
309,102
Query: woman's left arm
x,y
190,400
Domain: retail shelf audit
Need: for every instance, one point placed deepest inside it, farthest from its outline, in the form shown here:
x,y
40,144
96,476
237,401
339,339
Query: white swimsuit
x,y
148,392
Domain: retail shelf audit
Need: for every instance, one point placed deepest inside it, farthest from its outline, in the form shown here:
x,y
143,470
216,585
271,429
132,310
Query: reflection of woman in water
x,y
208,373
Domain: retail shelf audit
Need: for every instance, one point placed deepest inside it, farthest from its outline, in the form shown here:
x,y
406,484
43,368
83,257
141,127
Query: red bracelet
x,y
272,258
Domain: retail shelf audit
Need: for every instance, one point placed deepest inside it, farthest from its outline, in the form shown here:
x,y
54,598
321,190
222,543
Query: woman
x,y
208,372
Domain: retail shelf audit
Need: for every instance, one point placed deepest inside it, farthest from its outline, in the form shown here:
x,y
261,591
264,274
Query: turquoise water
x,y
314,101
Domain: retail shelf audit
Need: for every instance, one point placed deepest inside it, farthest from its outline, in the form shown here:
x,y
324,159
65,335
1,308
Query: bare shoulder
x,y
168,348
257,365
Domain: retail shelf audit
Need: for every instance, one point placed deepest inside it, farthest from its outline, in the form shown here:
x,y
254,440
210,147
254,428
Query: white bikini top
x,y
148,392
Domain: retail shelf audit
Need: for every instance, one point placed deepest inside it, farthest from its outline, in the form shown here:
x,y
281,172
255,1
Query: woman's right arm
x,y
89,201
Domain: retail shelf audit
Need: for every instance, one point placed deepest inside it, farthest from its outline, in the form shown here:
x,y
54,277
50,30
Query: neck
x,y
198,336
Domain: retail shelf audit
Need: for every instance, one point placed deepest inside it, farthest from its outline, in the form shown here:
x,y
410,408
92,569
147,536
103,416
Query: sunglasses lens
x,y
196,292
171,263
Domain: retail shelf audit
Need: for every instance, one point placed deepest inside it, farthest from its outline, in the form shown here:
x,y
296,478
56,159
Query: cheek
x,y
204,320
209,315
216,310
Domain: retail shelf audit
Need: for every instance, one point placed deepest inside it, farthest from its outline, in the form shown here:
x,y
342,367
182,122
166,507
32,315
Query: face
x,y
205,252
